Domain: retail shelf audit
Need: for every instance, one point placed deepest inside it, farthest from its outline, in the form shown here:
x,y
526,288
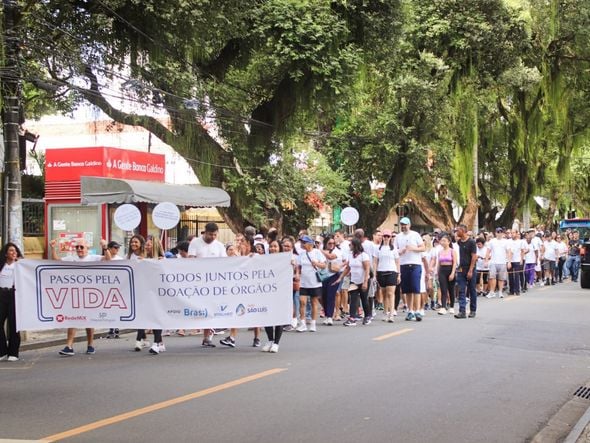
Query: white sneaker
x,y
267,346
390,318
395,313
274,348
422,312
12,358
451,310
140,344
302,327
161,347
501,295
4,357
312,327
325,322
330,321
442,311
294,323
491,295
155,349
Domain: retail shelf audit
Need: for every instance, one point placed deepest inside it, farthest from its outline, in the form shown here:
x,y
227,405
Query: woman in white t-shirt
x,y
386,262
561,257
310,262
482,266
358,266
9,255
333,256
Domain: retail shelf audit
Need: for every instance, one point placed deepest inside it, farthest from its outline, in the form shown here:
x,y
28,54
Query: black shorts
x,y
386,278
312,292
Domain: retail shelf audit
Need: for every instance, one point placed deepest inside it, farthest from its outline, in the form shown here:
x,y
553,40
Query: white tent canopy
x,y
114,190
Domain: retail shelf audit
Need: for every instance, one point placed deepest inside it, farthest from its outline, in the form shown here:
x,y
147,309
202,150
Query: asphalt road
x,y
496,378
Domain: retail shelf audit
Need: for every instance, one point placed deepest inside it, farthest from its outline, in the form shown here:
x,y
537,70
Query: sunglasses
x,y
80,247
386,236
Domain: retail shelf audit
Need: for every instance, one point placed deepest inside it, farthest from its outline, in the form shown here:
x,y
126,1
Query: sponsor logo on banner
x,y
254,309
223,311
240,310
195,313
106,291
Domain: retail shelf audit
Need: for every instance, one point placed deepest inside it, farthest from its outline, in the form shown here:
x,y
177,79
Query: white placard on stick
x,y
166,215
349,216
127,217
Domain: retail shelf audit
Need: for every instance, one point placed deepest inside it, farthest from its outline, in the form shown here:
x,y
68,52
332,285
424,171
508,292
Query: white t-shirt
x,y
537,242
89,257
405,239
516,247
482,253
386,257
7,276
198,248
357,271
562,249
337,262
499,250
530,256
308,272
369,248
550,250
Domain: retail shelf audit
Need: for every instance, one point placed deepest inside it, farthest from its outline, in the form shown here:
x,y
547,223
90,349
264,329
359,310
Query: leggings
x,y
529,272
354,302
329,295
157,335
8,315
274,333
447,288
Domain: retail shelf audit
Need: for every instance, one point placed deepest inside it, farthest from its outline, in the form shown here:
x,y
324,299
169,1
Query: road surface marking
x,y
512,297
392,334
157,406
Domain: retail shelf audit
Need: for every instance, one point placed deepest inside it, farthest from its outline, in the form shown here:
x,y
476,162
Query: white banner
x,y
236,292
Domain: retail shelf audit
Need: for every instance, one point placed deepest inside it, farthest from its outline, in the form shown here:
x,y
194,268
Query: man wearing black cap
x,y
113,248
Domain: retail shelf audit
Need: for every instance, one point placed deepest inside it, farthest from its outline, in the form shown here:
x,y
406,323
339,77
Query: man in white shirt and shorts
x,y
498,259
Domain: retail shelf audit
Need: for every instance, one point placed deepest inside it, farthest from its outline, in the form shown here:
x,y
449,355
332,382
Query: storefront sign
x,y
236,292
71,164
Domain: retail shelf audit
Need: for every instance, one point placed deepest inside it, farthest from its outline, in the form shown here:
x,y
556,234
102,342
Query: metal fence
x,y
33,217
189,227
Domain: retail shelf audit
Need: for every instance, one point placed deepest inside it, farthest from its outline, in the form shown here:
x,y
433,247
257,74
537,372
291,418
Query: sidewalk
x,y
57,337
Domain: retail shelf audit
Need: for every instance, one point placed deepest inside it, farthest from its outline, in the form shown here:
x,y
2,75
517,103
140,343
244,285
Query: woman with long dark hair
x,y
273,333
334,257
358,266
386,262
9,255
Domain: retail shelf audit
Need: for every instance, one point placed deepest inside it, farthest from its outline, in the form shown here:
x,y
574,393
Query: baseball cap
x,y
404,221
499,229
258,237
306,239
387,232
113,244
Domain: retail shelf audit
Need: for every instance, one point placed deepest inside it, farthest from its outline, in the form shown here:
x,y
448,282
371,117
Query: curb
x,y
579,428
60,341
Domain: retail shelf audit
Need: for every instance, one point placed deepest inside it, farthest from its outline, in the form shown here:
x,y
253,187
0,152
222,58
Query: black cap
x,y
113,244
499,229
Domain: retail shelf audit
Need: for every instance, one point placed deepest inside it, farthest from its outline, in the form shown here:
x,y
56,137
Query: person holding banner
x,y
154,250
206,246
273,333
9,255
81,255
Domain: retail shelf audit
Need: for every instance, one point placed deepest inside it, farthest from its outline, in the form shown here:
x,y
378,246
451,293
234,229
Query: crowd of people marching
x,y
347,279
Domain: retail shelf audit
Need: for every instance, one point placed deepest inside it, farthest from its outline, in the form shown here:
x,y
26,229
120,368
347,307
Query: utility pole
x,y
12,215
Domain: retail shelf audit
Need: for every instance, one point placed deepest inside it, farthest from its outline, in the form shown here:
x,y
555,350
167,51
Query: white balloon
x,y
349,216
